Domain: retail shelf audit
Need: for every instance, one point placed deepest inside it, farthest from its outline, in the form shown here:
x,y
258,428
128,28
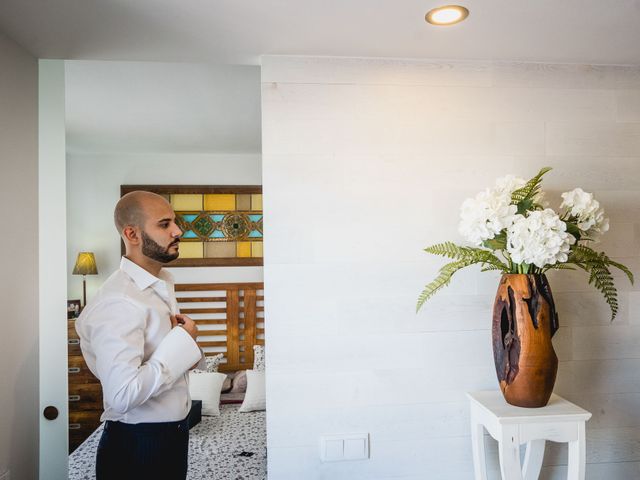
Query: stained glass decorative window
x,y
221,225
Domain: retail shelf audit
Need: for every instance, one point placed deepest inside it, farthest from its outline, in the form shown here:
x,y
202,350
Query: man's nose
x,y
177,232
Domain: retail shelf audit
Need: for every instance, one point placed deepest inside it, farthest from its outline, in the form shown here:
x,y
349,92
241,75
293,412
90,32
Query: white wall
x,y
19,279
93,189
378,155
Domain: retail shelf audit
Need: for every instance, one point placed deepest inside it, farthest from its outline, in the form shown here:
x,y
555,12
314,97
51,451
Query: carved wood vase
x,y
524,320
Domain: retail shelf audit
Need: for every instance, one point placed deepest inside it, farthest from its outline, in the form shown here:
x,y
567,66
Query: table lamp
x,y
85,265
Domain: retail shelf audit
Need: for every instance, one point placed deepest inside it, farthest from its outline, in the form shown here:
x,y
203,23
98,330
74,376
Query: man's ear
x,y
131,234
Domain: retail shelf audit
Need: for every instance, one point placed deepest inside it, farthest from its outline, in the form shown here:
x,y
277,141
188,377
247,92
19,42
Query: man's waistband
x,y
155,427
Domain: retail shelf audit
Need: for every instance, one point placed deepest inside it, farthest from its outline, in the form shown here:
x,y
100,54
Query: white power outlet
x,y
339,448
6,475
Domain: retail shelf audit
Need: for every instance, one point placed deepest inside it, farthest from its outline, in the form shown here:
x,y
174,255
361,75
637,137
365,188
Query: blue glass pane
x,y
255,218
189,234
255,234
217,234
217,218
189,218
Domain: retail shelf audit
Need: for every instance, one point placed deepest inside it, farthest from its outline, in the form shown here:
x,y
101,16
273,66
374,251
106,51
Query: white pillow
x,y
212,364
206,387
255,398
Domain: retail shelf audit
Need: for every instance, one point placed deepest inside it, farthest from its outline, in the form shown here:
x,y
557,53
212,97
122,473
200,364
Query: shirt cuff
x,y
177,352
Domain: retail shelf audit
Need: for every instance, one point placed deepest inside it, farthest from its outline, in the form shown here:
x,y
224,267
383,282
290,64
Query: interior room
x,y
134,123
433,301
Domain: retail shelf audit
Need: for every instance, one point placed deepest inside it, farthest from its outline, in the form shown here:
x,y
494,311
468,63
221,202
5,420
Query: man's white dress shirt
x,y
128,343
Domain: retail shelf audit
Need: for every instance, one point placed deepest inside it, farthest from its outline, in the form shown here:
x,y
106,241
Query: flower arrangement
x,y
513,230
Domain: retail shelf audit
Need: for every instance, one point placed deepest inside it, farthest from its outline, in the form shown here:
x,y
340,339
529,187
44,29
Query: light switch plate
x,y
343,447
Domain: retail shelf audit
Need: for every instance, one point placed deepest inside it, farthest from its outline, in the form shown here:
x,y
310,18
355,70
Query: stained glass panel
x,y
186,202
221,225
191,249
244,249
219,201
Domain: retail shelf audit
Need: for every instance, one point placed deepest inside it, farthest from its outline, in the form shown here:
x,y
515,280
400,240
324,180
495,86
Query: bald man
x,y
140,347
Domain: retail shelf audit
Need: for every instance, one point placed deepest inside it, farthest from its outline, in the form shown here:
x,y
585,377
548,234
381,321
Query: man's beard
x,y
156,252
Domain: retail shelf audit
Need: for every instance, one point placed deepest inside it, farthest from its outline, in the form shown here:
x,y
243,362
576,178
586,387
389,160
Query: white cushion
x,y
206,387
212,364
255,398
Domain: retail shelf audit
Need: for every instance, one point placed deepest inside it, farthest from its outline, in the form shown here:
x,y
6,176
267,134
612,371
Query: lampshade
x,y
85,264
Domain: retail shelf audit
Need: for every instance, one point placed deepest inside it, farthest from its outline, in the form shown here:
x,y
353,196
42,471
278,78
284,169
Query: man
x,y
140,347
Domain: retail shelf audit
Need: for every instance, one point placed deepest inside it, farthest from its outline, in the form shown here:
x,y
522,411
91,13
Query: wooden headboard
x,y
230,319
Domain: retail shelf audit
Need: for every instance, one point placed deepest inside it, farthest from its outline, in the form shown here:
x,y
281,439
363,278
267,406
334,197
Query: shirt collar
x,y
139,275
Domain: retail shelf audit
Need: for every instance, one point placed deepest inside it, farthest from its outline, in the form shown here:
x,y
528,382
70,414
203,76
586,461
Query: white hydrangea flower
x,y
485,215
540,239
586,209
509,184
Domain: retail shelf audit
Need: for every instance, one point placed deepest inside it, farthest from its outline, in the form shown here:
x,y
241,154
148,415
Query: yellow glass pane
x,y
182,202
256,201
191,249
243,249
220,249
220,201
256,249
243,202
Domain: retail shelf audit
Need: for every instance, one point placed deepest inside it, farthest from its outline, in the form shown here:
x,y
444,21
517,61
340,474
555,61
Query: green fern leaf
x,y
489,268
456,252
446,249
530,190
557,266
442,280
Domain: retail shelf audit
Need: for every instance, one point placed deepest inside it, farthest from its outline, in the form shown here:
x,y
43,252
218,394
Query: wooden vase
x,y
524,320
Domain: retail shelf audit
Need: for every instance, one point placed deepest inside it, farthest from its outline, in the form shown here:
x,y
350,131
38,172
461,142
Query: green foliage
x,y
464,256
557,266
573,229
499,242
476,255
597,264
442,280
523,197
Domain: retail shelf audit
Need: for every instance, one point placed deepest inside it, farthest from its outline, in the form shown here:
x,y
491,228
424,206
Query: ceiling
x,y
239,31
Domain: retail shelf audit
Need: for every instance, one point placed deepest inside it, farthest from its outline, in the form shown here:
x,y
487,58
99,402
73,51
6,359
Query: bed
x,y
232,446
230,318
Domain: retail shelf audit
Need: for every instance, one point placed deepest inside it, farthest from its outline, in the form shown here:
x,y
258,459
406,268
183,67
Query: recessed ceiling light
x,y
447,15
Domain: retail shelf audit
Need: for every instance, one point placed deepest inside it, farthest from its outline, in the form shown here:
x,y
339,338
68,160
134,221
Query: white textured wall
x,y
93,189
19,275
377,156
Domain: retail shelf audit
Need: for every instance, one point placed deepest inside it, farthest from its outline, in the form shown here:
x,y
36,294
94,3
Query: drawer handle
x,y
74,370
75,426
74,341
74,398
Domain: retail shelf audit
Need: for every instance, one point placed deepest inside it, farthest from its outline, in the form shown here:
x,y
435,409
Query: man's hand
x,y
185,322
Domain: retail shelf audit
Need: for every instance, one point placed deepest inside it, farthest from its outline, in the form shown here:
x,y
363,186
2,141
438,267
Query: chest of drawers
x,y
85,393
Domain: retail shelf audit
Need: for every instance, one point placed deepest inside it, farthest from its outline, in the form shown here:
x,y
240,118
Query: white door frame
x,y
52,251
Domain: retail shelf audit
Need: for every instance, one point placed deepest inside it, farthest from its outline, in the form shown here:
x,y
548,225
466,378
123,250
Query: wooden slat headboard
x,y
230,319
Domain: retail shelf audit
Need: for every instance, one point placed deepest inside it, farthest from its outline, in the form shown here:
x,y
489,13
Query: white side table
x,y
559,421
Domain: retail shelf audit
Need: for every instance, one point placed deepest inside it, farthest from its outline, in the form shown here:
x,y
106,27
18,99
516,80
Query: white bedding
x,y
232,446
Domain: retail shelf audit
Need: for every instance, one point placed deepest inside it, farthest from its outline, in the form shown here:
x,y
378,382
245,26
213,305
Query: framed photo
x,y
73,308
222,225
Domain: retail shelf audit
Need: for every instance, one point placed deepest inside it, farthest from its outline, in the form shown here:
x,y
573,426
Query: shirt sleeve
x,y
116,336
